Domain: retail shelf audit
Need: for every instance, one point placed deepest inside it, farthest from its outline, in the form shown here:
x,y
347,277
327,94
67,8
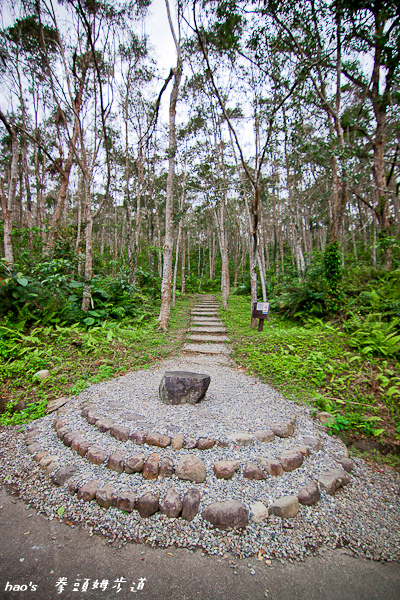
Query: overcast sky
x,y
157,28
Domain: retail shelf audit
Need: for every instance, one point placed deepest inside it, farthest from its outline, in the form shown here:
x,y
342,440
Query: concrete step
x,y
208,305
206,348
208,338
214,323
205,319
208,329
210,324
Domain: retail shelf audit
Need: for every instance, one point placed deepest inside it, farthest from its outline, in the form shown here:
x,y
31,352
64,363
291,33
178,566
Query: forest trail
x,y
79,475
207,330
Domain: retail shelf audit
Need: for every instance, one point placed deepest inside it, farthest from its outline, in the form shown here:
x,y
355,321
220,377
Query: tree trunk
x,y
87,288
253,254
183,258
262,278
168,240
138,214
7,203
220,223
188,252
176,262
66,171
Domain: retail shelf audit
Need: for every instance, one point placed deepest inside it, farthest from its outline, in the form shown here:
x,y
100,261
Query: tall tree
x,y
168,238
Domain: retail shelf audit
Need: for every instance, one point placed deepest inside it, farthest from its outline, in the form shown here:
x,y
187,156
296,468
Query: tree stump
x,y
181,387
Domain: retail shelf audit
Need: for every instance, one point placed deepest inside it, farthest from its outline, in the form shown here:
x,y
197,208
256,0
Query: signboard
x,y
261,312
263,307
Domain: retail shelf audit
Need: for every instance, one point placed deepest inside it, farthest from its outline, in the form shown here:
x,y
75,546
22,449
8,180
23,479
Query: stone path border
x,y
230,513
226,514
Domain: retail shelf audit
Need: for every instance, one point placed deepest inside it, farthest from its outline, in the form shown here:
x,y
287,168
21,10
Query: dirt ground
x,y
37,556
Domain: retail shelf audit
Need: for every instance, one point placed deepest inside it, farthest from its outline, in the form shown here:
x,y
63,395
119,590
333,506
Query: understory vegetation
x,y
119,335
343,359
274,174
347,364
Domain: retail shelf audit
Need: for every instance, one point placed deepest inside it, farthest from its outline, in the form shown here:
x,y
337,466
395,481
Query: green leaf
x,y
392,391
378,432
89,321
353,358
22,281
367,350
61,511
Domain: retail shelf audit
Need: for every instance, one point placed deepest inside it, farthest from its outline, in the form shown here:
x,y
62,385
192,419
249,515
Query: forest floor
x,y
39,551
311,363
318,364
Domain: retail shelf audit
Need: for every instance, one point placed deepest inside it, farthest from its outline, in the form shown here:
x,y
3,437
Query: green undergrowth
x,y
323,365
77,356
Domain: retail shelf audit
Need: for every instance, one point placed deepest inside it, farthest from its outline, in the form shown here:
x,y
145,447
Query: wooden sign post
x,y
261,312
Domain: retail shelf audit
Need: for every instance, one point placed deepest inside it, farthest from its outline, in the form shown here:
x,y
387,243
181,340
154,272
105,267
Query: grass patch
x,y
314,363
77,357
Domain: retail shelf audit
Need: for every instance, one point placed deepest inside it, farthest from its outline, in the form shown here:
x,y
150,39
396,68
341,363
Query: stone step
x,y
205,313
214,323
206,348
202,324
210,305
207,329
206,319
202,317
208,338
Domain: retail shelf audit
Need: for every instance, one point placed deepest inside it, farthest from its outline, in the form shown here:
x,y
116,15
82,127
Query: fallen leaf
x,y
169,554
26,532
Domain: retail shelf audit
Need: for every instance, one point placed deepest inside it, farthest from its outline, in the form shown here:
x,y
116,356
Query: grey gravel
x,y
364,516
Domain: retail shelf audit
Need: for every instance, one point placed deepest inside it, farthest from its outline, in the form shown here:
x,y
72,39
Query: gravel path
x,y
364,516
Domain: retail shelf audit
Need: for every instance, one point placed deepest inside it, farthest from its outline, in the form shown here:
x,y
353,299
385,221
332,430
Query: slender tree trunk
x,y
176,262
87,288
115,233
373,247
199,259
168,240
138,214
66,171
262,278
7,202
128,208
183,258
188,249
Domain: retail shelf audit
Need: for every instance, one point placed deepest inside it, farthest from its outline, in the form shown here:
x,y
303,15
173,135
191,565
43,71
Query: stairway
x,y
206,334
